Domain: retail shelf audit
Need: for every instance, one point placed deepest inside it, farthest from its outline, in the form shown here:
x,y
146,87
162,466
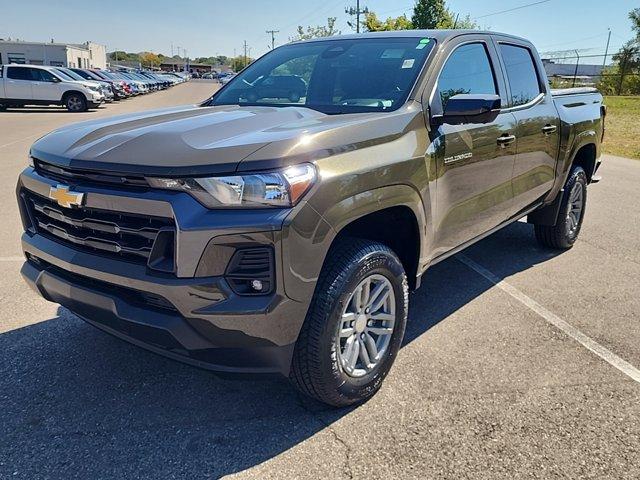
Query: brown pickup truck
x,y
279,226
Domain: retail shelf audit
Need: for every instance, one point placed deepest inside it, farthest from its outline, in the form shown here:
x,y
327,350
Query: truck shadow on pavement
x,y
76,403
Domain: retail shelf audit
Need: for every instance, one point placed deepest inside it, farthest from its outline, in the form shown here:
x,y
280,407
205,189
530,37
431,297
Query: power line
x,y
512,9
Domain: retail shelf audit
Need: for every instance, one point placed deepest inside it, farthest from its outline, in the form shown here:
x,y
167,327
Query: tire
x,y
320,367
567,228
75,102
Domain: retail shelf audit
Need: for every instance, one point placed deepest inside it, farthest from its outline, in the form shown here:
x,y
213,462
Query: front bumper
x,y
192,315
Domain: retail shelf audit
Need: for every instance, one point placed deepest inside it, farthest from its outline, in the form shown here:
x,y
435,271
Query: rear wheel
x,y
565,232
354,326
76,102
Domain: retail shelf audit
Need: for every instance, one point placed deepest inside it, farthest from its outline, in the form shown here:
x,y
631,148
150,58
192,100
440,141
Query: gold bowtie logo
x,y
64,197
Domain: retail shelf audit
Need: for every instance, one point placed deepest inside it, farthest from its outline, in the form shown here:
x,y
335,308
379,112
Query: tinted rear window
x,y
521,73
19,73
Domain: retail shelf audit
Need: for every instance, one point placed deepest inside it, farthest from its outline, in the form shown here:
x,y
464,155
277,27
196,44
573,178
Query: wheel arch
x,y
393,215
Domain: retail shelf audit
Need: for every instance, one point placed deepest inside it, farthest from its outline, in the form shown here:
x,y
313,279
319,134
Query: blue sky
x,y
218,27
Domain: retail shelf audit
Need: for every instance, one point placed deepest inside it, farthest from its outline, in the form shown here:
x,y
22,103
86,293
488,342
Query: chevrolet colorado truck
x,y
275,231
22,85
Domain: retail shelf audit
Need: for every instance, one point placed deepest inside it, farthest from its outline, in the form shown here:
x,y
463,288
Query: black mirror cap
x,y
468,105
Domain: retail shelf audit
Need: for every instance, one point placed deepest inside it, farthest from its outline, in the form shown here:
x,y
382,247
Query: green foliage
x,y
319,31
149,59
431,14
239,62
219,60
427,14
434,14
373,24
122,56
623,77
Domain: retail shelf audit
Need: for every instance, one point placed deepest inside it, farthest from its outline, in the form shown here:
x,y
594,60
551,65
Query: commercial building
x,y
85,55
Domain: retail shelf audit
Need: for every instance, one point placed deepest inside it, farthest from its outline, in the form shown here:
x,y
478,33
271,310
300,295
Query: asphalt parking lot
x,y
536,377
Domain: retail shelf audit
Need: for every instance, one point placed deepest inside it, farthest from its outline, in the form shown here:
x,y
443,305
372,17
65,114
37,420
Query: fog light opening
x,y
257,285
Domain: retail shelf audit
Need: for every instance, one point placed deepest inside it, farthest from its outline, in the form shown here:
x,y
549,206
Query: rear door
x,y
17,83
537,132
474,160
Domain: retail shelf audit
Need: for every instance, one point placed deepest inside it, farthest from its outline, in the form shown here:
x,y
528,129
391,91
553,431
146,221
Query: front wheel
x,y
355,324
76,102
565,232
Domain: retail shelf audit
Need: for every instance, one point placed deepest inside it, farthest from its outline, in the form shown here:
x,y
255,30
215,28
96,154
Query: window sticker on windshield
x,y
408,63
423,43
393,53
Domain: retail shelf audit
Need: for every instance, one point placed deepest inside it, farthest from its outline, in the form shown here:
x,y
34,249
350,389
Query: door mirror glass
x,y
477,108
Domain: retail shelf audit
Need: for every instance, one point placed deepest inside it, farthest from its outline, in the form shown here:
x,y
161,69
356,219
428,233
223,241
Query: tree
x,y
373,24
622,77
150,59
634,16
239,62
316,32
431,14
434,14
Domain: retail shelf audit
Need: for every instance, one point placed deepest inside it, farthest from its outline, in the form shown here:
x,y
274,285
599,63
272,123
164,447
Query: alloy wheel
x,y
366,326
574,212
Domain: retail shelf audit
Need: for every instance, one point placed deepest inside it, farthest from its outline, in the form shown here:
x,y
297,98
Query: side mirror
x,y
470,108
55,80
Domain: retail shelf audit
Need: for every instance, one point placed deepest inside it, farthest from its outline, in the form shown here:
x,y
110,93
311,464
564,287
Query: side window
x,y
468,70
18,73
521,73
41,75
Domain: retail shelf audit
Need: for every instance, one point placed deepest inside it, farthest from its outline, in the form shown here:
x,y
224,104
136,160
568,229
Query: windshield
x,y
70,73
64,74
332,76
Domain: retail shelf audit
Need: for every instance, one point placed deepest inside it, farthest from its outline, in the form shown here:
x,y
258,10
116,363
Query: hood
x,y
197,140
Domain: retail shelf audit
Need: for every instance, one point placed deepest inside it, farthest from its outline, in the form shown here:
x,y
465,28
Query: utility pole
x,y
245,54
273,37
606,50
357,12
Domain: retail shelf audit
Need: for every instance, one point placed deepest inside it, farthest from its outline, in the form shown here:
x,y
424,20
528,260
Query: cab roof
x,y
438,35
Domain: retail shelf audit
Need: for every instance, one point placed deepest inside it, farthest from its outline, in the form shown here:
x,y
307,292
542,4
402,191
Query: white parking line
x,y
20,140
587,342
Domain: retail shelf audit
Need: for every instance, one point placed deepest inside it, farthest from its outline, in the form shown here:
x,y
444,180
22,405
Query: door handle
x,y
549,129
506,139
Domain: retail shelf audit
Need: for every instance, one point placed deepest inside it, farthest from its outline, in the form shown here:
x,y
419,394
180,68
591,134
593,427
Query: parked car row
x,y
77,89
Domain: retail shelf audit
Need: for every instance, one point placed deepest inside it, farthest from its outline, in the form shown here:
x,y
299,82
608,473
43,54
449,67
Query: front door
x,y
474,160
18,83
46,86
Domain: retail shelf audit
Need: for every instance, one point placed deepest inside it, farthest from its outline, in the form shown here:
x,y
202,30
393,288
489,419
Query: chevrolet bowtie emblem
x,y
64,197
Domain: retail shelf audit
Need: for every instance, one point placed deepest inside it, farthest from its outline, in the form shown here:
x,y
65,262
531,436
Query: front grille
x,y
76,176
123,235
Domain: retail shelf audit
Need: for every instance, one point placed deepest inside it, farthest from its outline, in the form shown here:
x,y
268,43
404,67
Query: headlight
x,y
93,88
282,188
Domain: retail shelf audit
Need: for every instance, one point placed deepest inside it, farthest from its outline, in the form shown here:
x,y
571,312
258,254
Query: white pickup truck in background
x,y
38,85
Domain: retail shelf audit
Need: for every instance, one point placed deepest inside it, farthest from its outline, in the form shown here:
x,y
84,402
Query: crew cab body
x,y
208,233
37,85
